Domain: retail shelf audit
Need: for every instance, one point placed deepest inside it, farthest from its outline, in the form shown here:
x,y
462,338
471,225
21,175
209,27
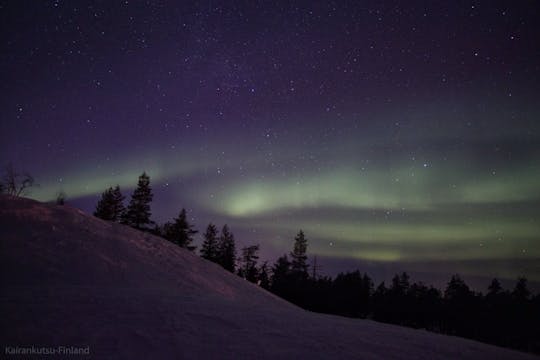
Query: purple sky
x,y
397,135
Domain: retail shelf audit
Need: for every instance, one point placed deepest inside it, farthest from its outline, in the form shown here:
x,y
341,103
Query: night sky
x,y
398,136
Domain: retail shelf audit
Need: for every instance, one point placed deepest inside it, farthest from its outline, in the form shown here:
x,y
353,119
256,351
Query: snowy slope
x,y
73,280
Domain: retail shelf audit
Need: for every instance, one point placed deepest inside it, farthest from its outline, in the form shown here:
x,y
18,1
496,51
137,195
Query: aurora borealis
x,y
391,133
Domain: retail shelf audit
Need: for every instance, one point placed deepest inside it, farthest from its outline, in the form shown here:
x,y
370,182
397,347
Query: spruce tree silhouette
x,y
521,293
138,211
494,288
398,302
264,276
299,266
227,250
117,204
61,198
180,231
248,263
352,292
111,205
104,208
281,277
459,311
209,248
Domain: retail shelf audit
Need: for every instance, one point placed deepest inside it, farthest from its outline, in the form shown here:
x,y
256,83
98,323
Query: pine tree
x,y
457,289
180,232
117,205
380,303
248,268
521,292
110,207
61,198
400,284
104,209
264,276
281,275
367,286
227,249
494,288
138,212
209,248
299,266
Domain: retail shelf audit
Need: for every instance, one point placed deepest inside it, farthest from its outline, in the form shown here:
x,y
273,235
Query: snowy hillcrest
x,y
69,279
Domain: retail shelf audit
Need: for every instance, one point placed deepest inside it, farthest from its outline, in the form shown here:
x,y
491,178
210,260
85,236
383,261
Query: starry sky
x,y
397,135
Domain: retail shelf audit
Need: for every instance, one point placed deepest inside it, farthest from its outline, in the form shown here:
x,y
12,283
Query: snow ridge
x,y
70,279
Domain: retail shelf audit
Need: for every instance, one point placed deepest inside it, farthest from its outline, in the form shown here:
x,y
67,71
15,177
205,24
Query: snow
x,y
69,279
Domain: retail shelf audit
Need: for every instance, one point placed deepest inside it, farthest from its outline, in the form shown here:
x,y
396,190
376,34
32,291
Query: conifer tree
x,y
138,212
299,266
227,249
209,248
281,272
61,198
521,292
110,207
248,268
180,232
104,208
494,288
264,276
380,291
400,284
117,205
457,289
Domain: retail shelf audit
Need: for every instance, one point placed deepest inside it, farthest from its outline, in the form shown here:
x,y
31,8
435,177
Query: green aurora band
x,y
408,210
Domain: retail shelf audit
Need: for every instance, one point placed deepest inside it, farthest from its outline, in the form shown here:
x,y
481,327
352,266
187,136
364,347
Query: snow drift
x,y
69,279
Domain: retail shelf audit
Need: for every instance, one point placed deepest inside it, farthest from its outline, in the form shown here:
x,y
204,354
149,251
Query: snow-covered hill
x,y
69,279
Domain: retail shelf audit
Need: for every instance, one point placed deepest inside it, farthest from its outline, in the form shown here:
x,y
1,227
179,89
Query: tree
x,y
460,308
209,248
117,204
281,273
521,292
16,184
423,306
227,249
494,288
264,277
400,284
180,232
61,198
248,263
457,289
104,209
111,205
380,300
381,290
299,266
350,298
138,211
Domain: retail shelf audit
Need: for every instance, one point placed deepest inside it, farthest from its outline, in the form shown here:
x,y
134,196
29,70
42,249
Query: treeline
x,y
218,247
501,317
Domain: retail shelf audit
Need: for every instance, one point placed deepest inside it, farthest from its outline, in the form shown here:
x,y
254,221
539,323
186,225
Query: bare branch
x,y
16,184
